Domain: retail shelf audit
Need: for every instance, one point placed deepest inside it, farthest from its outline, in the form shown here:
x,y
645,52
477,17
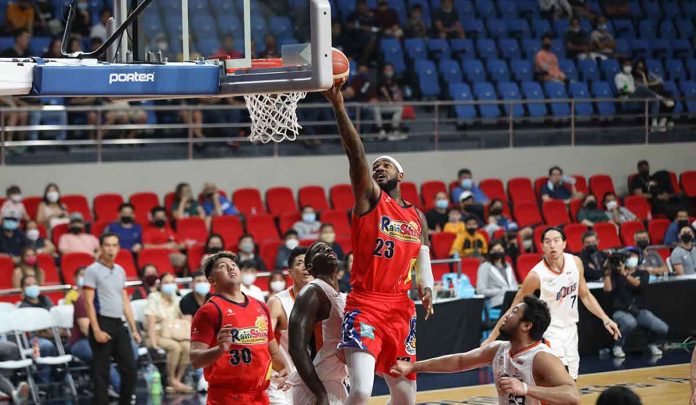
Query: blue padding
x,y
126,80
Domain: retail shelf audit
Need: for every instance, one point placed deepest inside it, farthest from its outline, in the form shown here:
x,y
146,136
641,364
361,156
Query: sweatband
x,y
425,269
391,159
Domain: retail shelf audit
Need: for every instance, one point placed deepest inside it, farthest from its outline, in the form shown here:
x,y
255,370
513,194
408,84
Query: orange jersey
x,y
386,243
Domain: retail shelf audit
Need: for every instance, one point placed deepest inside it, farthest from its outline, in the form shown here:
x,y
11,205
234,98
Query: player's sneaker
x,y
618,352
654,350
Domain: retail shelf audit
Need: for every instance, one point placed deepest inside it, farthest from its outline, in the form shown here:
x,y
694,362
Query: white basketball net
x,y
274,116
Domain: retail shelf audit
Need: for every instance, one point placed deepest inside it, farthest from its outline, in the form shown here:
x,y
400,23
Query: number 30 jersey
x,y
560,290
386,242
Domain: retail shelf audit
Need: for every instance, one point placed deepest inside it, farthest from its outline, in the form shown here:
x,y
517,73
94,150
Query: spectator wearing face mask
x,y
276,284
77,240
546,62
74,293
327,234
650,260
470,243
437,216
658,189
249,273
559,187
185,206
28,266
215,204
465,182
469,207
592,258
672,233
308,227
512,247
159,235
626,85
390,94
496,218
446,21
590,214
13,206
684,255
577,41
12,239
149,275
36,242
617,213
247,252
603,43
495,276
291,242
51,211
130,234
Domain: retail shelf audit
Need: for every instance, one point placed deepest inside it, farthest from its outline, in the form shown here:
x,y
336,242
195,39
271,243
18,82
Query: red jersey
x,y
386,243
246,367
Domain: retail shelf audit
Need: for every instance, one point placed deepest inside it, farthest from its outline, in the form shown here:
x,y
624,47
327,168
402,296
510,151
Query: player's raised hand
x,y
334,94
402,368
224,337
426,297
508,385
613,329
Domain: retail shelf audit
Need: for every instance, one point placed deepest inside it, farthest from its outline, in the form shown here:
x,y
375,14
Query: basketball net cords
x,y
274,116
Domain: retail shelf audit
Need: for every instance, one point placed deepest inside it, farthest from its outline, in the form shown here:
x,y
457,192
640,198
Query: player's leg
x,y
361,366
554,338
571,351
401,390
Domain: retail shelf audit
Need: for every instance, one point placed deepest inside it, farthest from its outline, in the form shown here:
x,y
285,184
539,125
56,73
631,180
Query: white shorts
x,y
336,390
278,397
564,344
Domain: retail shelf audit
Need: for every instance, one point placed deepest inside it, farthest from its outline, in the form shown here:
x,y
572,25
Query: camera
x,y
616,257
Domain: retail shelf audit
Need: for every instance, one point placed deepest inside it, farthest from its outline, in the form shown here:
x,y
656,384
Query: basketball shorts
x,y
222,396
336,390
276,396
563,341
383,325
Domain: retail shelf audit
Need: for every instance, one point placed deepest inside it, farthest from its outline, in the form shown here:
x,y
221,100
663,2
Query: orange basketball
x,y
341,66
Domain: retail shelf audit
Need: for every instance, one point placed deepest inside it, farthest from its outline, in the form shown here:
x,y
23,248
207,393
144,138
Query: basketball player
x,y
318,313
280,306
560,277
232,339
390,239
524,368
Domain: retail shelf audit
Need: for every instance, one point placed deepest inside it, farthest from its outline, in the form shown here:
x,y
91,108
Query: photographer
x,y
625,284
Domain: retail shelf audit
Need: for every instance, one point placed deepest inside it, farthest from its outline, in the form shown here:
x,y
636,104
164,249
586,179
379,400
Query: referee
x,y
107,302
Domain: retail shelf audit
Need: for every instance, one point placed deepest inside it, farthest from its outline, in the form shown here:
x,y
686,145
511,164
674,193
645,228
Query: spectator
x,y
658,188
454,222
390,94
83,20
98,30
249,273
617,213
291,242
74,293
655,83
577,41
672,233
590,214
387,20
185,205
650,260
465,182
415,27
495,276
200,292
446,21
271,47
32,297
308,227
556,9
13,206
149,275
77,240
362,27
20,15
512,247
684,255
36,241
28,266
327,234
49,116
121,112
51,211
53,51
20,49
159,235
603,43
363,86
582,10
469,207
338,37
559,187
214,244
228,49
344,274
437,216
14,118
167,329
215,204
470,243
616,8
496,217
276,283
642,183
546,62
626,284
627,87
130,234
247,252
593,259
12,239
47,21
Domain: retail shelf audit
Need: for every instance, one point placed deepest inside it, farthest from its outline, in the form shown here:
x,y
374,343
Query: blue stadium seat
x,y
400,7
462,47
689,9
557,90
519,28
558,47
473,70
681,48
641,49
208,45
464,8
486,48
589,71
203,27
198,8
39,45
450,71
438,48
541,27
691,67
560,27
173,24
660,48
532,91
507,9
655,66
485,8
624,29
671,87
671,9
415,49
230,24
667,29
498,70
427,78
675,70
603,90
227,7
527,8
461,91
646,29
522,70
567,66
580,91
473,27
623,47
510,91
485,91
497,28
346,8
652,9
509,48
634,10
685,28
426,8
689,89
392,52
609,67
281,27
530,47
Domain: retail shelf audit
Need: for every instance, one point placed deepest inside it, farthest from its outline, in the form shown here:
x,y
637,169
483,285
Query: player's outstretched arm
x,y
554,385
365,189
530,284
452,363
591,303
425,280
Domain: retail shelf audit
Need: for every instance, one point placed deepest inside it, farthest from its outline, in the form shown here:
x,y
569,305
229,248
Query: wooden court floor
x,y
655,385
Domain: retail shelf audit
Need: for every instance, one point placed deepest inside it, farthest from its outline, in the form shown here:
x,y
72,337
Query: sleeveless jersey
x,y
287,300
560,290
520,366
386,242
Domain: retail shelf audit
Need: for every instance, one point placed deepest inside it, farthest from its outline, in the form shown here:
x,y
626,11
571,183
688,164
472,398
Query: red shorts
x,y
222,396
383,325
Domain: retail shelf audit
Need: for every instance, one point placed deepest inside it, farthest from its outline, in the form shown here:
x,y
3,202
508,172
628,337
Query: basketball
x,y
341,66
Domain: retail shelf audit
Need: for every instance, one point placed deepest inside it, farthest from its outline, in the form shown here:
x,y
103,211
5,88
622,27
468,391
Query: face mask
x,y
328,237
248,278
127,220
628,69
441,204
602,26
309,217
202,289
31,260
642,244
686,238
575,29
644,173
682,223
496,256
471,230
495,211
53,196
75,230
292,243
169,289
467,183
246,247
277,286
10,224
33,235
32,291
591,205
16,198
160,223
163,46
388,75
82,6
611,205
80,282
591,248
213,249
631,262
151,280
546,46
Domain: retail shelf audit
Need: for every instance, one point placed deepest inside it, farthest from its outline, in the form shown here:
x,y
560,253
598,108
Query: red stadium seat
x,y
78,203
555,213
6,268
574,236
440,270
580,183
628,229
428,191
600,184
69,262
48,264
229,227
314,196
638,205
608,237
442,244
280,200
157,257
125,260
657,229
664,253
538,184
169,201
520,189
341,196
527,214
143,203
675,182
31,204
470,267
575,205
287,220
58,231
339,219
106,206
194,255
2,201
409,192
525,264
248,201
494,189
262,227
97,228
688,182
191,230
268,250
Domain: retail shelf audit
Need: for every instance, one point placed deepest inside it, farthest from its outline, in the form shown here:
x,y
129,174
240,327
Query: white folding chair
x,y
138,308
7,328
6,307
63,316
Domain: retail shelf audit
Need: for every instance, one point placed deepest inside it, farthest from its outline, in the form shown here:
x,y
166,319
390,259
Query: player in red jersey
x,y
390,239
232,339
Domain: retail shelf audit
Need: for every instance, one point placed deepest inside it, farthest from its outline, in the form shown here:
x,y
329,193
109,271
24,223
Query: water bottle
x,y
154,380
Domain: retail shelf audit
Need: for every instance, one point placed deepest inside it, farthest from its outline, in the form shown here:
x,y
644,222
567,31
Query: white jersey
x,y
521,366
560,290
287,300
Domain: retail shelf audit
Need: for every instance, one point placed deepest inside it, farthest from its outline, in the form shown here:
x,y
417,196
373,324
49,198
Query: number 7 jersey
x,y
386,242
560,290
